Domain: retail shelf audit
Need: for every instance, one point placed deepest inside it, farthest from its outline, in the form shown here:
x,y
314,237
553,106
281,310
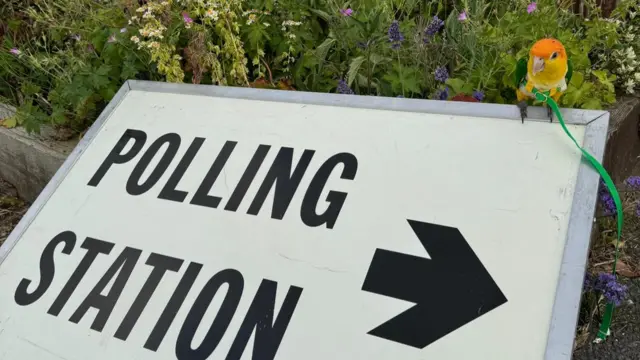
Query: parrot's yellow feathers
x,y
545,48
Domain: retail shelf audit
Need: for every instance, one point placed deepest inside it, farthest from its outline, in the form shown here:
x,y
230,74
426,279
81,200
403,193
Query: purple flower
x,y
532,7
608,204
478,95
610,288
15,51
112,38
633,182
343,88
346,12
186,18
441,74
462,16
443,94
434,26
606,200
395,36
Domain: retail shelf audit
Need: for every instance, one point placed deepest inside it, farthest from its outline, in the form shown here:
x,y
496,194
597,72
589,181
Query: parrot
x,y
548,68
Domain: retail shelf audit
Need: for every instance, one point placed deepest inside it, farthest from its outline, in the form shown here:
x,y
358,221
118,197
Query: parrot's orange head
x,y
548,56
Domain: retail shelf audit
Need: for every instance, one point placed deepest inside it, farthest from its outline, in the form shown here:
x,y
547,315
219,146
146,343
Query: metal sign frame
x,y
566,306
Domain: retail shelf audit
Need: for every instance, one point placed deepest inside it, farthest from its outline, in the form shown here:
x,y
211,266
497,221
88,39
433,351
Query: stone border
x,y
29,161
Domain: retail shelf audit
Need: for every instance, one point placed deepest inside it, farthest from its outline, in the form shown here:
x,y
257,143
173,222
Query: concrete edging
x,y
29,161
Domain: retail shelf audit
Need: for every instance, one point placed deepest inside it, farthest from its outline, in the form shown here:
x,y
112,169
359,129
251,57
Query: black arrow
x,y
449,290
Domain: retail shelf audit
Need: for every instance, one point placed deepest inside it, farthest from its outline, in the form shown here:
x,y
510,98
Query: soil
x,y
11,209
624,340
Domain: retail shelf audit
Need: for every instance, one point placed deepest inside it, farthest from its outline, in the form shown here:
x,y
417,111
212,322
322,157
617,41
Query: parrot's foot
x,y
549,113
522,105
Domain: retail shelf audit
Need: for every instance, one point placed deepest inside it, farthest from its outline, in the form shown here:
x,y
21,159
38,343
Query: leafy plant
x,y
493,44
621,57
61,61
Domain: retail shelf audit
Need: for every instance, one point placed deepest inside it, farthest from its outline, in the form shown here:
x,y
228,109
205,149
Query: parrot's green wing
x,y
521,71
569,71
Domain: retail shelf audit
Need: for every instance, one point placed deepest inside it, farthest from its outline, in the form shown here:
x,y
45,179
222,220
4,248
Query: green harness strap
x,y
544,97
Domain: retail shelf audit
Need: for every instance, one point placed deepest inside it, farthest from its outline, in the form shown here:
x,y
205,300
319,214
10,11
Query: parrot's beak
x,y
538,65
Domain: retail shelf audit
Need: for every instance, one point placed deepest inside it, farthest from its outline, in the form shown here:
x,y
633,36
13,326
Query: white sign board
x,y
199,222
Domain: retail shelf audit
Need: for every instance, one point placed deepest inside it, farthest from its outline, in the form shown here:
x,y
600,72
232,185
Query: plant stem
x,y
368,69
233,42
269,70
400,71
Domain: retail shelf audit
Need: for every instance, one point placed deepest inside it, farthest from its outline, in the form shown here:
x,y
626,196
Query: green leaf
x,y
587,87
10,122
610,98
570,98
257,35
32,127
354,67
580,61
455,84
99,78
372,26
411,84
600,74
129,71
322,14
378,59
322,49
103,70
29,88
507,79
592,104
403,80
358,22
98,39
57,117
55,97
364,83
467,88
605,79
97,81
577,79
108,92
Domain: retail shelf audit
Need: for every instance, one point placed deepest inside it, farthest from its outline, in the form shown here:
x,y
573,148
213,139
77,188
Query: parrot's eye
x,y
553,56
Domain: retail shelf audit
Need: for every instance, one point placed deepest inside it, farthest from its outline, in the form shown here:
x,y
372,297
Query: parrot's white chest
x,y
561,85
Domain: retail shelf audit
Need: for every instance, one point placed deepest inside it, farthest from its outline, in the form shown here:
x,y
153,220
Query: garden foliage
x,y
623,58
61,61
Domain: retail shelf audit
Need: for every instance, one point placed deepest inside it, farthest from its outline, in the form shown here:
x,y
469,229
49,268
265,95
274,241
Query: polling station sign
x,y
203,222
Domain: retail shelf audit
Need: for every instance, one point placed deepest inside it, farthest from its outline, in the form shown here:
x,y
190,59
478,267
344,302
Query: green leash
x,y
608,314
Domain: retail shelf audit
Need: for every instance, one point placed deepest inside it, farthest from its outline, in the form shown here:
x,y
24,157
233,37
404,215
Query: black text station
x,y
279,175
269,329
